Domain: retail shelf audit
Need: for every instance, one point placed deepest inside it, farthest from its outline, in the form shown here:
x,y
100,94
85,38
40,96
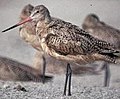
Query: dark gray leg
x,y
44,68
68,74
107,75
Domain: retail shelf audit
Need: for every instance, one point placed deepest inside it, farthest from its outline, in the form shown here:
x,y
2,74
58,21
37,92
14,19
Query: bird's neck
x,y
42,26
47,19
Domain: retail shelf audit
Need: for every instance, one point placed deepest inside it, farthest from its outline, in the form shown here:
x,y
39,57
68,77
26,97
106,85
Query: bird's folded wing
x,y
66,38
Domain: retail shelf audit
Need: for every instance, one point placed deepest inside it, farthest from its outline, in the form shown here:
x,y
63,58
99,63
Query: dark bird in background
x,y
65,41
102,31
16,71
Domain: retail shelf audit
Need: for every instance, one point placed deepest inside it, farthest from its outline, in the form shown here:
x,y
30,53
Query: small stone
x,y
6,86
90,4
20,88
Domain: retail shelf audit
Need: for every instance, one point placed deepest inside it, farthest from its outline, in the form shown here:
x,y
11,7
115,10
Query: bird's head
x,y
26,11
90,21
39,13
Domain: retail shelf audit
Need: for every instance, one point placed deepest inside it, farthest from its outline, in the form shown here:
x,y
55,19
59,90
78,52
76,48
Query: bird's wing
x,y
66,38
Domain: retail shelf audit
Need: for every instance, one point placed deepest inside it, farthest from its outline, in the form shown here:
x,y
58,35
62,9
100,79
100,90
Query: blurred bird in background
x,y
105,32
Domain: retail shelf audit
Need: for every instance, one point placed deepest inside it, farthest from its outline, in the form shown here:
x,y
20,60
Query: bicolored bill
x,y
18,24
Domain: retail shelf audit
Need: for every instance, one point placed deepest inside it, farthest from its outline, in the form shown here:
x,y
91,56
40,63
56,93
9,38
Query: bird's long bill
x,y
18,24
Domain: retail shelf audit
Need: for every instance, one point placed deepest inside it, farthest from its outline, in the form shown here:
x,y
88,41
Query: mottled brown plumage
x,y
68,42
27,32
65,41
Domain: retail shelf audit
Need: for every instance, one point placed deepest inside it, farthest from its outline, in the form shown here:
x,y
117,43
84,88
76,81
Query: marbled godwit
x,y
102,31
27,32
68,42
13,70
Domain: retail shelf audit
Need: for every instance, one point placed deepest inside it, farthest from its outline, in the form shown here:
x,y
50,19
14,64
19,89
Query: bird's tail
x,y
113,56
109,51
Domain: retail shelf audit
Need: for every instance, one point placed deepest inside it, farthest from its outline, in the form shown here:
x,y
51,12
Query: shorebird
x,y
102,31
27,33
65,41
13,70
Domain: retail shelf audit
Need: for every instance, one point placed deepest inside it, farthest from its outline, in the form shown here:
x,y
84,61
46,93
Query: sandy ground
x,y
83,87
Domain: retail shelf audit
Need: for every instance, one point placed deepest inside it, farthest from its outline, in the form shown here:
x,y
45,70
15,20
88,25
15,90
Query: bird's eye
x,y
37,11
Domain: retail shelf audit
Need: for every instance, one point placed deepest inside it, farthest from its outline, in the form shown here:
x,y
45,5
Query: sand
x,y
83,87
